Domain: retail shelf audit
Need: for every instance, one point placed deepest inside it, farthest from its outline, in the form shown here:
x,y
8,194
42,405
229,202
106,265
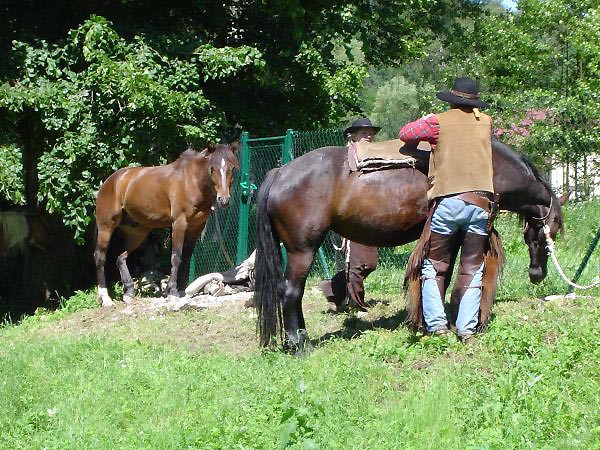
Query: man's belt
x,y
477,199
486,201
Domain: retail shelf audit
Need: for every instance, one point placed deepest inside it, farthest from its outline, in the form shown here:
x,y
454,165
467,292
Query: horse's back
x,y
309,178
318,191
141,191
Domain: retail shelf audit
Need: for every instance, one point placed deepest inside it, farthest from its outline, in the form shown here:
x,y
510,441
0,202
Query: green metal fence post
x,y
244,212
287,153
585,259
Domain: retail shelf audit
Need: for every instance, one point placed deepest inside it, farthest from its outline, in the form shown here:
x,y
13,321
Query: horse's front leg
x,y
177,240
298,266
188,250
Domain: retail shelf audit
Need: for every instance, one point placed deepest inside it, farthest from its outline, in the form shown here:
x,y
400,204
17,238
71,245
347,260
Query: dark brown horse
x,y
299,202
180,195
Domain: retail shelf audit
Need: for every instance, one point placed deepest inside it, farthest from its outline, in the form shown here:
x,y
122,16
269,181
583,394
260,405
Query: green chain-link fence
x,y
230,235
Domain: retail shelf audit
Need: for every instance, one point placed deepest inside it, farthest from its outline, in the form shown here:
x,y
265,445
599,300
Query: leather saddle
x,y
394,154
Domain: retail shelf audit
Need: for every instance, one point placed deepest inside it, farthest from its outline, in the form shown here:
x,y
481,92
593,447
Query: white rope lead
x,y
550,248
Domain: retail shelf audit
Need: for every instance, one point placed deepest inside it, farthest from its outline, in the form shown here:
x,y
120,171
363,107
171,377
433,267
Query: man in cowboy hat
x,y
460,193
361,130
348,285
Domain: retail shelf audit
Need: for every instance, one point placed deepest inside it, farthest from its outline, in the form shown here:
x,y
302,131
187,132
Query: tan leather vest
x,y
462,159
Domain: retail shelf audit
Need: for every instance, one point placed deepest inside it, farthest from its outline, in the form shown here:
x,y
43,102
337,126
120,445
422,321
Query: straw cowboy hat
x,y
465,92
361,123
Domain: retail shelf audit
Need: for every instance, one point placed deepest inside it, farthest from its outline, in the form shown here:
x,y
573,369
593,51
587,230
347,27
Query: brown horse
x,y
181,195
299,202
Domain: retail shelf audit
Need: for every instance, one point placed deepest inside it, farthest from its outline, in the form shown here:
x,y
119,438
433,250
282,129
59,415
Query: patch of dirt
x,y
219,325
204,324
420,365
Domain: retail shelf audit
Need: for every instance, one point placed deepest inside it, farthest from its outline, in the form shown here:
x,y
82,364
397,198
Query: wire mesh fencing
x,y
230,234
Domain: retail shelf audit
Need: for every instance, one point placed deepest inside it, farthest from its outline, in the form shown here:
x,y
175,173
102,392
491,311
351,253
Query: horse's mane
x,y
190,152
524,159
220,149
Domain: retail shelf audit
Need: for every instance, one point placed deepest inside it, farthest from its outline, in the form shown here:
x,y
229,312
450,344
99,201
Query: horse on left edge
x,y
22,225
181,195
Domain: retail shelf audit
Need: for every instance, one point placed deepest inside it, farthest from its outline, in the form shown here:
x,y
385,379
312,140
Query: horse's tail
x,y
267,269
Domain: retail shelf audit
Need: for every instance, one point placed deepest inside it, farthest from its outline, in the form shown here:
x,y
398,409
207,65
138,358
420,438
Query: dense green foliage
x,y
133,382
104,104
538,67
11,181
92,88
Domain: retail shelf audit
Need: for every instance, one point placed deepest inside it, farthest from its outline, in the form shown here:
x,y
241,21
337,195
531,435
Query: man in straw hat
x,y
461,211
348,285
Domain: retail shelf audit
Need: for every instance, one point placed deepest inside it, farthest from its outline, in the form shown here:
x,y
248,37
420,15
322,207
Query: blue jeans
x,y
451,216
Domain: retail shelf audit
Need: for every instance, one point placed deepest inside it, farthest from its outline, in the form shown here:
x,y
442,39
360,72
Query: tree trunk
x,y
29,128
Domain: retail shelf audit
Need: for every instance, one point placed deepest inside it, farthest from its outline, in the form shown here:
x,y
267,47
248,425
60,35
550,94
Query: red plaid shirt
x,y
424,129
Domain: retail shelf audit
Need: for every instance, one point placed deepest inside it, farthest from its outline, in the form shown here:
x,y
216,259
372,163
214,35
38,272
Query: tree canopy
x,y
537,66
89,87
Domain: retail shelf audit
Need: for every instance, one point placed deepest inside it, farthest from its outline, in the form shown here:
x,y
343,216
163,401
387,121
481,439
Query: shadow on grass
x,y
354,326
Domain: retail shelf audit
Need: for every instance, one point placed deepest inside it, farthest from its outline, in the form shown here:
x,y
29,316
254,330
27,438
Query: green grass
x,y
531,381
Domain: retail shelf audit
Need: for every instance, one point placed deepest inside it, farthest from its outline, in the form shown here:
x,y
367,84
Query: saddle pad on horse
x,y
373,156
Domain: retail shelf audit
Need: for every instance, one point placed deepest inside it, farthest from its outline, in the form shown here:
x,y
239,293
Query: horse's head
x,y
535,218
221,163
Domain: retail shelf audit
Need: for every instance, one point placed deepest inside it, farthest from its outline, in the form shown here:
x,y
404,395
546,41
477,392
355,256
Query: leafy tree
x,y
134,88
11,181
544,59
99,103
538,67
399,101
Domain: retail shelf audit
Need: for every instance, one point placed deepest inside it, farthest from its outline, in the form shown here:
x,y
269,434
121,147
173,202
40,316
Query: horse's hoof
x,y
103,297
106,302
298,345
128,298
173,298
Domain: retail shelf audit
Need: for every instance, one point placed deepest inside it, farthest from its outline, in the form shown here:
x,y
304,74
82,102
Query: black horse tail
x,y
268,270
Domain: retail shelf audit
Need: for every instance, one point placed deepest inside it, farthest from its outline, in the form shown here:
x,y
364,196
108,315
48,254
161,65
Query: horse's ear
x,y
234,146
563,199
206,152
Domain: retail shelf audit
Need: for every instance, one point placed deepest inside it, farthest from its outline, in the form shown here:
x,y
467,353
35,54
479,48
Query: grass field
x,y
127,378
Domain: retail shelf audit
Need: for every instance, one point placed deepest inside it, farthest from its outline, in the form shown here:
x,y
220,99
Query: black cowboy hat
x,y
465,92
361,123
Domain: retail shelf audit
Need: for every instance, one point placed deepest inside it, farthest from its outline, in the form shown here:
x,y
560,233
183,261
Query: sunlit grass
x,y
531,381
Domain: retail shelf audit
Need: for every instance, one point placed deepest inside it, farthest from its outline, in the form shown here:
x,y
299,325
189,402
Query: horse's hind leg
x,y
134,236
177,240
105,230
298,266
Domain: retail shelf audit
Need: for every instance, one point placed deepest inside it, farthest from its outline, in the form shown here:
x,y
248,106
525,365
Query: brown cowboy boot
x,y
335,291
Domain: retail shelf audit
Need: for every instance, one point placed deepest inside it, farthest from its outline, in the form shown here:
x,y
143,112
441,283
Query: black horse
x,y
299,202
